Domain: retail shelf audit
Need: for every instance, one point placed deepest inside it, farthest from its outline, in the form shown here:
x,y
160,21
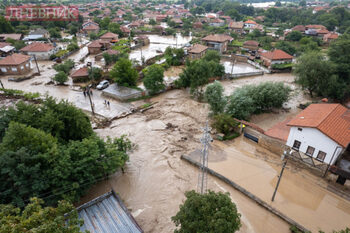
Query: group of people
x,y
107,103
87,92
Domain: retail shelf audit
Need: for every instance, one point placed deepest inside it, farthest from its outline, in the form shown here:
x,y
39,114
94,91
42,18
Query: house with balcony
x,y
217,42
321,133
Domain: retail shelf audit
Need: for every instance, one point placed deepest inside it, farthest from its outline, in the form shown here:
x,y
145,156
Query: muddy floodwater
x,y
301,196
155,180
238,67
157,45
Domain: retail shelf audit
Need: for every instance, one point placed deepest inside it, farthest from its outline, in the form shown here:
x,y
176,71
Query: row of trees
x,y
50,151
246,100
326,76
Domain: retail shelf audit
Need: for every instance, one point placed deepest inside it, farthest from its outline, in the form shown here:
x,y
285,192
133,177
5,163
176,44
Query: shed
x,y
107,214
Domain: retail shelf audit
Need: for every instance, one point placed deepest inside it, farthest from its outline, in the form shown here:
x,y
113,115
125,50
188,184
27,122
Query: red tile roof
x,y
251,43
95,44
82,72
14,59
197,48
277,54
279,130
109,35
315,26
331,119
250,22
330,36
37,47
218,38
300,28
3,44
91,27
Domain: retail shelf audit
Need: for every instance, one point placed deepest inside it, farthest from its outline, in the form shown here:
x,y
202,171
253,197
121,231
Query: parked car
x,y
102,85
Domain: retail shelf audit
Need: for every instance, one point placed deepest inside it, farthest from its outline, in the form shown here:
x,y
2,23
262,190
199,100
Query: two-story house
x,y
217,42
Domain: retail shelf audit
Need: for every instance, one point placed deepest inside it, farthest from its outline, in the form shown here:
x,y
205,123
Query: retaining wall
x,y
248,194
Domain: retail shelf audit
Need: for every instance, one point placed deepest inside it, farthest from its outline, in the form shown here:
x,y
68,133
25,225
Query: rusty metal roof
x,y
107,214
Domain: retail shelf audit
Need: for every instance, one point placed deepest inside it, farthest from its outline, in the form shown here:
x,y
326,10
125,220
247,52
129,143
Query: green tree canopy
x,y
210,212
61,77
36,218
294,36
313,73
214,94
123,73
154,78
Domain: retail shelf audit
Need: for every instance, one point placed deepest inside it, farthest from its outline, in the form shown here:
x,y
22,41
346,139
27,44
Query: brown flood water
x,y
301,195
155,180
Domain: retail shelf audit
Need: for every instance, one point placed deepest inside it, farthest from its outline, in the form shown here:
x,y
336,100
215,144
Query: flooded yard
x,y
157,45
238,67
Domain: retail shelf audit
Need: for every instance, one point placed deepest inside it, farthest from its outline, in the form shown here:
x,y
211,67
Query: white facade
x,y
249,25
42,55
316,139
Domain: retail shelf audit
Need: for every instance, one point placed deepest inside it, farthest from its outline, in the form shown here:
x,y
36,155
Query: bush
x,y
224,123
64,67
72,47
61,77
95,73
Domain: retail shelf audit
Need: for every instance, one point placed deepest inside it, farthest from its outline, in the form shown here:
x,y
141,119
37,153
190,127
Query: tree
x,y
64,67
174,56
153,79
5,26
95,73
278,4
49,151
302,3
61,77
36,218
214,95
209,212
286,47
115,28
294,36
54,33
312,70
152,22
123,73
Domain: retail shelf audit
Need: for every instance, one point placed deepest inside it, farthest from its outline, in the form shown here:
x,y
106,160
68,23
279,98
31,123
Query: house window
x,y
27,65
310,151
321,156
300,129
22,67
3,70
296,145
14,69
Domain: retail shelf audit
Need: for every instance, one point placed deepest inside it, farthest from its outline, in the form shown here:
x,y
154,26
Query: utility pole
x,y
88,92
284,157
2,85
233,63
36,64
203,173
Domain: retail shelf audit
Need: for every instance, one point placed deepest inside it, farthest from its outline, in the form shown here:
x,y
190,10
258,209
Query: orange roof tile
x,y
330,119
279,130
95,44
197,48
37,47
82,72
218,38
277,54
14,59
109,35
250,22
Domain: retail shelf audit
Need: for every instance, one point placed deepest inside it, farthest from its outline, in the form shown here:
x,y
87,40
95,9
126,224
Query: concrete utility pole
x,y
89,64
284,157
203,173
36,64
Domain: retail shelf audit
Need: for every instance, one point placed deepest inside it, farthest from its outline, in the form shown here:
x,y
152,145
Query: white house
x,y
249,24
321,131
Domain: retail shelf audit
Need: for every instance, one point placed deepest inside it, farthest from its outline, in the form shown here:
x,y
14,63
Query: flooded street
x,y
158,44
155,180
301,195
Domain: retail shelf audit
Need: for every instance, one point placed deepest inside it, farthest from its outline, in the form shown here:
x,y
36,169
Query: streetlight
x,y
89,64
283,158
